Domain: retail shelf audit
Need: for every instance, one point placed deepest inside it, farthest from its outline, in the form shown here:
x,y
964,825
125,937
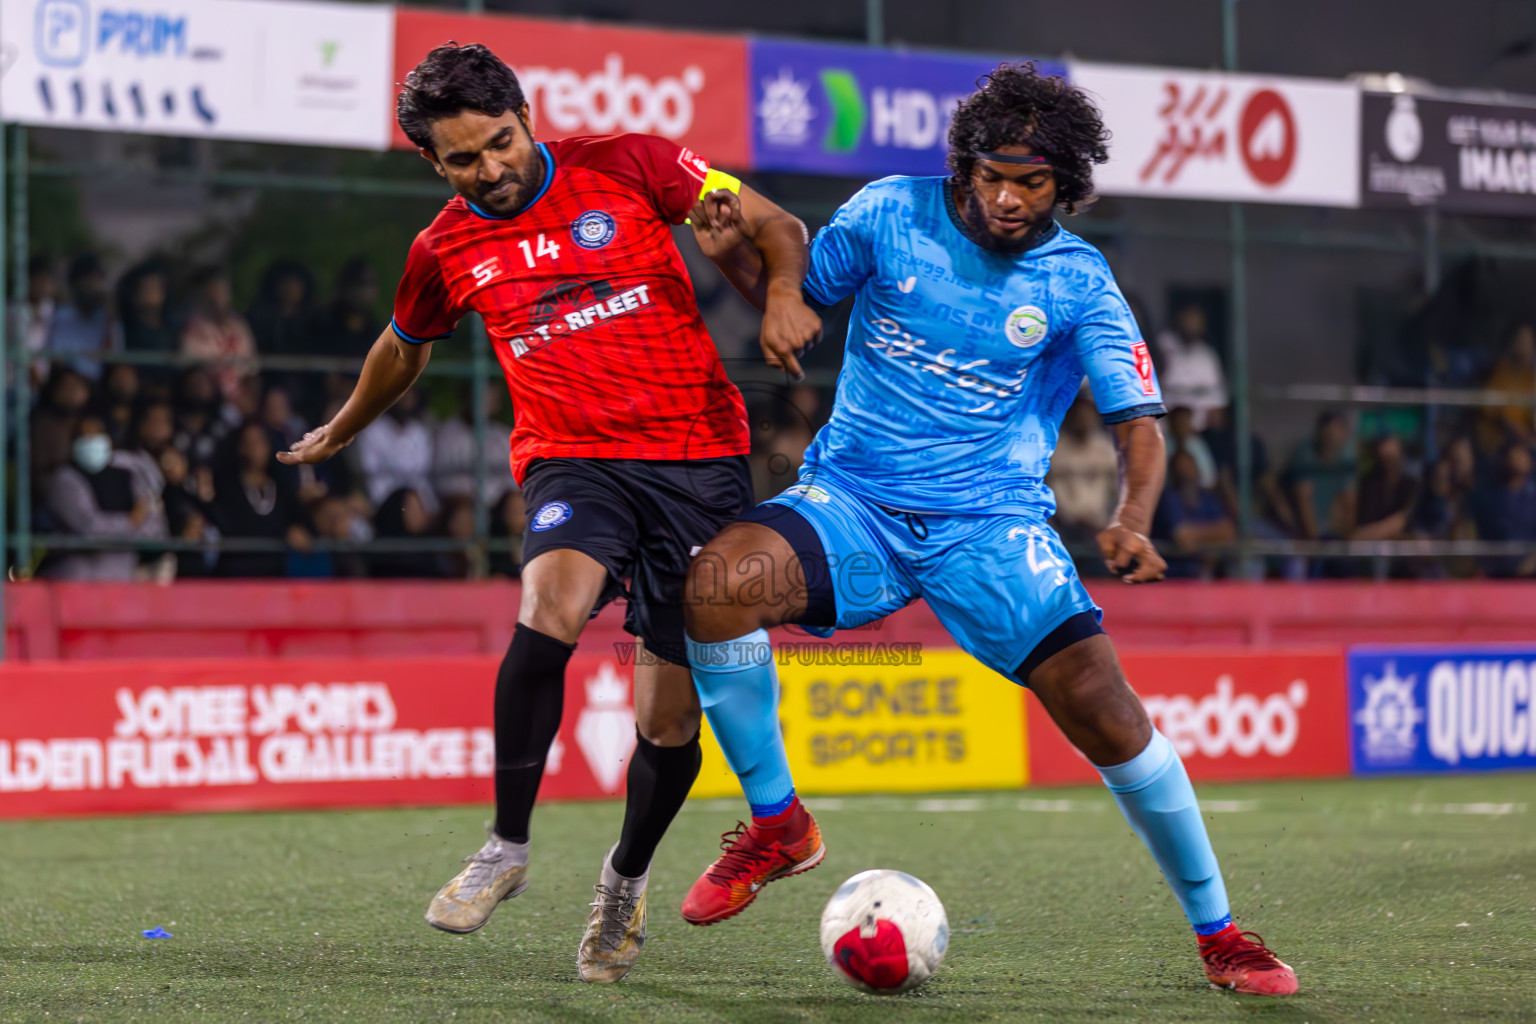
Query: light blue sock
x,y
1155,796
739,689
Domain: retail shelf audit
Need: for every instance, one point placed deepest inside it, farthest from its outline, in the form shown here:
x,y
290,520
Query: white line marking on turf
x,y
1481,808
949,805
823,803
1057,806
1229,806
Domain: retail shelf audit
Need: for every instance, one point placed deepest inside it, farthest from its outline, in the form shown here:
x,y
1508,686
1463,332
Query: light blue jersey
x,y
961,362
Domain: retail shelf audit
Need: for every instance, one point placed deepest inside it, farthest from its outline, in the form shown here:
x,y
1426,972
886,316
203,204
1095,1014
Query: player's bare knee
x,y
716,607
671,727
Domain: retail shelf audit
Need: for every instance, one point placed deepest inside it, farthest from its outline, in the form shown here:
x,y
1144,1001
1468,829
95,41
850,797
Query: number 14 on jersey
x,y
537,251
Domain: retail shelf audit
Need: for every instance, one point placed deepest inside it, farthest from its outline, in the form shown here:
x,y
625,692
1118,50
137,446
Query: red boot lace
x,y
1245,950
742,855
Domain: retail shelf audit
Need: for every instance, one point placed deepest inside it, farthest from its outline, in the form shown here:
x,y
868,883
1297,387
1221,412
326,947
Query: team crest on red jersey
x,y
694,164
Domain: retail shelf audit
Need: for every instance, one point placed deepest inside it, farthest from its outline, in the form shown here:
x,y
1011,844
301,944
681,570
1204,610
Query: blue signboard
x,y
1435,709
857,111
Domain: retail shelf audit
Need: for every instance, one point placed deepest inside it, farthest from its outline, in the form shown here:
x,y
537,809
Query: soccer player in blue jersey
x,y
976,317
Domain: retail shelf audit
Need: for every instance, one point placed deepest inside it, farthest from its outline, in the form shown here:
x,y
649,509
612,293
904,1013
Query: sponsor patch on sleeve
x,y
693,164
1143,357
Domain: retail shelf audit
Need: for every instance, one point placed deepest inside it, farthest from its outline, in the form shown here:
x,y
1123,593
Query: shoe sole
x,y
467,931
799,869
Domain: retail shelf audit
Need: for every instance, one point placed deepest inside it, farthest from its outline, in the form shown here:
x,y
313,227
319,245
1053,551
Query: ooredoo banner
x,y
1231,715
273,70
1460,157
892,718
1439,709
584,79
107,737
1210,135
858,111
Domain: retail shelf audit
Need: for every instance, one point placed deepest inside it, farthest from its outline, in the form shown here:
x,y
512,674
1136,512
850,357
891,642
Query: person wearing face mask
x,y
90,497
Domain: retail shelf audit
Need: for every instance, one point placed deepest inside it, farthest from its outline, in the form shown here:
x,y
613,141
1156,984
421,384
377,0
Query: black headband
x,y
1006,158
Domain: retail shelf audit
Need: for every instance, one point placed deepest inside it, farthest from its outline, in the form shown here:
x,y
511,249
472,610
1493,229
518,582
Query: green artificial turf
x,y
1395,900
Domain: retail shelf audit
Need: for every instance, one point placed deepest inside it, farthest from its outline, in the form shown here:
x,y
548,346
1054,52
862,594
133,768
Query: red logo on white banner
x,y
1267,133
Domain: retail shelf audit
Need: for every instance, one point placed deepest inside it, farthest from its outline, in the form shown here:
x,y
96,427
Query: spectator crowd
x,y
150,450
182,447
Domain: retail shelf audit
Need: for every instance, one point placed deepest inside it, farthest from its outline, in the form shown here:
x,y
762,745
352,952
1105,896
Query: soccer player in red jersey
x,y
629,443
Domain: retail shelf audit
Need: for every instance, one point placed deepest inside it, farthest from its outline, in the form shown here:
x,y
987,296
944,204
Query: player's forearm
x,y
1143,461
743,266
389,371
781,242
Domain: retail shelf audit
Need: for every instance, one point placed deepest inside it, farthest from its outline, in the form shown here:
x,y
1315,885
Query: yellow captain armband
x,y
716,180
713,182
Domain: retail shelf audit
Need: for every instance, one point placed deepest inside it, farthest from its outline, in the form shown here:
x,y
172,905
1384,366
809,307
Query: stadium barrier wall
x,y
277,619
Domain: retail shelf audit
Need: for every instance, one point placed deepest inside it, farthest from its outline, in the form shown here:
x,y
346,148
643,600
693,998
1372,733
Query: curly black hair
x,y
450,80
1016,105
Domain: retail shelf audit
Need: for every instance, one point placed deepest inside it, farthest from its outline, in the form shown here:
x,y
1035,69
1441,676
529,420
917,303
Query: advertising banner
x,y
588,80
921,721
1209,135
1460,157
857,111
1231,716
1436,709
115,737
273,70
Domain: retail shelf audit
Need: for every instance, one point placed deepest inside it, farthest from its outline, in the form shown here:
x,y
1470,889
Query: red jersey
x,y
588,306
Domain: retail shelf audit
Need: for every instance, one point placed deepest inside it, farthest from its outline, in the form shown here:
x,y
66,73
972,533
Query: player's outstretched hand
x,y
790,327
717,223
1130,555
315,446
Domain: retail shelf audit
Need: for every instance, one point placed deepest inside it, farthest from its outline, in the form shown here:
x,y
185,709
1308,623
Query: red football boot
x,y
754,855
1241,962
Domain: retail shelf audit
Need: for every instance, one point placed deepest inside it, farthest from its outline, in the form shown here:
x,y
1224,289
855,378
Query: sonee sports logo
x,y
1026,326
550,515
593,229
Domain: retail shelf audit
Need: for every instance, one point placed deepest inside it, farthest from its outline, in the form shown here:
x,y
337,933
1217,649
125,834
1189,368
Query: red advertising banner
x,y
1231,715
588,80
115,737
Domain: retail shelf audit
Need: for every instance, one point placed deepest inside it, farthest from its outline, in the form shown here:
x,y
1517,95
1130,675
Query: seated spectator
x,y
1387,495
403,515
459,524
350,325
149,439
453,449
335,520
1192,518
185,496
280,312
1190,370
1271,510
1513,372
276,414
1321,479
509,521
32,318
395,451
251,499
143,297
1506,511
85,324
64,400
1085,477
121,402
218,335
90,497
200,421
1184,436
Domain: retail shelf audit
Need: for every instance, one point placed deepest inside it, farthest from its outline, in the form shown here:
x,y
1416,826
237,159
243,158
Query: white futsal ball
x,y
884,932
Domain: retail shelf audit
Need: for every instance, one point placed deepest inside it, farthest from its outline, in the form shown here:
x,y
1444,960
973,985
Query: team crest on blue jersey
x,y
550,515
1026,326
593,229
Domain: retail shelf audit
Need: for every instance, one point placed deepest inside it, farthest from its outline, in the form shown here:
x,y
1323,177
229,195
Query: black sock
x,y
530,693
657,784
